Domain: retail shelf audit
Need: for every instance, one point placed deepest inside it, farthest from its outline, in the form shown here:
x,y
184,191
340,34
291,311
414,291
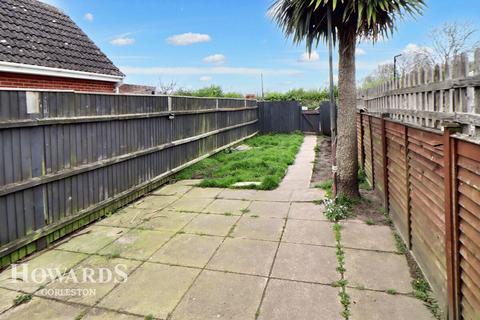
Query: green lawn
x,y
266,162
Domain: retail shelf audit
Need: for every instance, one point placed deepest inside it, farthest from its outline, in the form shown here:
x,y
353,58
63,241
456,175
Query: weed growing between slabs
x,y
266,162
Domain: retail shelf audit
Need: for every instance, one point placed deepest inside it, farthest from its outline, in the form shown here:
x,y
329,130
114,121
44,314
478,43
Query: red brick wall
x,y
17,80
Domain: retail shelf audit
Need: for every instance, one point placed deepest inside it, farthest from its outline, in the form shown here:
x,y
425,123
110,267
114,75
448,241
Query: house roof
x,y
136,88
34,33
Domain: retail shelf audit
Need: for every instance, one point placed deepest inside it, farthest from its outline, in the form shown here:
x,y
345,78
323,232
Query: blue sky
x,y
230,42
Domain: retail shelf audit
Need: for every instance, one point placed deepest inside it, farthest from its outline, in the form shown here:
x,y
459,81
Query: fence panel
x,y
425,161
468,186
279,116
68,157
398,182
433,175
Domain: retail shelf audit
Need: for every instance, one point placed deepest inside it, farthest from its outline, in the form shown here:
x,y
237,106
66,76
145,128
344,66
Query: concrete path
x,y
190,253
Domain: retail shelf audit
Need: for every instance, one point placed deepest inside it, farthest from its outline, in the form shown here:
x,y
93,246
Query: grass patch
x,y
327,186
342,282
21,299
362,180
392,291
423,292
401,246
266,162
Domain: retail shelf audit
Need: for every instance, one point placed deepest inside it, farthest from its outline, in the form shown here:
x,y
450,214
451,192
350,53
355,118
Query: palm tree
x,y
352,20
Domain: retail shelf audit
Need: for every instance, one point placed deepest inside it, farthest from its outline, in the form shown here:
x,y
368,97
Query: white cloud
x,y
212,70
415,48
360,52
205,78
123,40
215,59
88,16
309,57
188,38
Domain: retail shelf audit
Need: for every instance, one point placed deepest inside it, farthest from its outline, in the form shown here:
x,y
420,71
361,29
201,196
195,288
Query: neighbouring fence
x,y
288,116
69,158
418,144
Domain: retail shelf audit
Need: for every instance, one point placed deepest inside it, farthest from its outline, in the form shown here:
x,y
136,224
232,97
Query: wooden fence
x,y
288,116
69,158
418,142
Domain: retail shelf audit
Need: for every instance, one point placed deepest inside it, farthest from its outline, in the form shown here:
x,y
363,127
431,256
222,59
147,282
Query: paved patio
x,y
193,253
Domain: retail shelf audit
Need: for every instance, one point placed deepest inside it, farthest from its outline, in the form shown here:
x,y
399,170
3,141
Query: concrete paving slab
x,y
188,182
6,299
188,250
307,211
174,189
312,194
152,289
274,195
373,305
239,194
155,203
49,260
363,236
269,209
219,295
309,232
258,228
285,300
203,193
236,207
137,244
167,220
211,224
244,256
306,263
190,204
245,184
129,217
39,308
92,239
98,281
100,314
377,270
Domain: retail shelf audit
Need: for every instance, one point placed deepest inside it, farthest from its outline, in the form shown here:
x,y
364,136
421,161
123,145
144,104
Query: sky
x,y
197,43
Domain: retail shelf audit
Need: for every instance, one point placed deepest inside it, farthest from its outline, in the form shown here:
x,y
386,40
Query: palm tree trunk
x,y
346,150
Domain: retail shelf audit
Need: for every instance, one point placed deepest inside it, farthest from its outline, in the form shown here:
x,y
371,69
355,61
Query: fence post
x,y
451,220
407,186
384,161
371,150
362,157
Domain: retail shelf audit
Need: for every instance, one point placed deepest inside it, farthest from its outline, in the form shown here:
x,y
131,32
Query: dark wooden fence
x,y
69,158
288,116
429,181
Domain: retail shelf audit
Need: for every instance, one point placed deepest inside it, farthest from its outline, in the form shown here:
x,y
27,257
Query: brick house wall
x,y
18,80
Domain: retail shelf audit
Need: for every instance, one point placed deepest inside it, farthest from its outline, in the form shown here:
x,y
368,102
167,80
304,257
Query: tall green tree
x,y
352,20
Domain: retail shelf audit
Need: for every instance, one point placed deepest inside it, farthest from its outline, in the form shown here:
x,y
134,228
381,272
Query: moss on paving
x,y
266,162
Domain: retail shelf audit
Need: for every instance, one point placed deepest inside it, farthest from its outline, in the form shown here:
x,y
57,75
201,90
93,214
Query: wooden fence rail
x,y
69,158
429,181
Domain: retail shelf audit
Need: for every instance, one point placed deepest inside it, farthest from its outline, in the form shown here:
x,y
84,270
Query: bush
x,y
308,98
211,91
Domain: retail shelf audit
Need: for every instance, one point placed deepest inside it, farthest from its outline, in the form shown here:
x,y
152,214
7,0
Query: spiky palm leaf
x,y
371,19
